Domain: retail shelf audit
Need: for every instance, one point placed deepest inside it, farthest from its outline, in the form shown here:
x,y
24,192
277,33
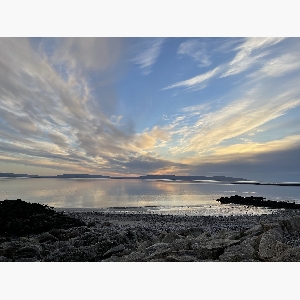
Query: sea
x,y
147,196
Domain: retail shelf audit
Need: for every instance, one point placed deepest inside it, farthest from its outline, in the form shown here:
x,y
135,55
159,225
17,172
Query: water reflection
x,y
90,193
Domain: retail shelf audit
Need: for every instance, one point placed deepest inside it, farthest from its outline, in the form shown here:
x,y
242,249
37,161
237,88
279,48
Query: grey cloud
x,y
106,100
11,148
24,124
58,139
30,85
72,103
36,101
32,163
89,52
148,164
88,143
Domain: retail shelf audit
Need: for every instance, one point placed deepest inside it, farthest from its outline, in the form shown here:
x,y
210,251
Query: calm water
x,y
105,193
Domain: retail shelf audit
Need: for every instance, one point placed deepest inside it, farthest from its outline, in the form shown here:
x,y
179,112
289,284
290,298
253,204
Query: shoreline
x,y
110,236
189,210
209,222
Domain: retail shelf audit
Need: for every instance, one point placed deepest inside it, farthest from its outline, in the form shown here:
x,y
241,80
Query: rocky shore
x,y
141,237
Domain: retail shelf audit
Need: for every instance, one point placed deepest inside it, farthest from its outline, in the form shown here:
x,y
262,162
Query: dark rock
x,y
102,247
181,258
91,224
157,248
292,225
253,231
242,252
290,255
106,223
143,245
281,248
267,245
4,259
135,257
27,252
212,248
170,237
8,251
253,241
194,231
258,201
70,254
58,233
232,235
26,259
156,260
114,250
20,218
181,244
47,238
274,225
186,258
113,258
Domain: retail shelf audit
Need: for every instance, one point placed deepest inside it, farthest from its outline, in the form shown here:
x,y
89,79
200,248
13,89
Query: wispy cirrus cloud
x,y
147,52
197,82
278,66
196,109
249,53
197,50
254,107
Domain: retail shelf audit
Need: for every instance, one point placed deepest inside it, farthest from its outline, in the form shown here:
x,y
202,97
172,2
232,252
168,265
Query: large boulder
x,y
27,252
181,244
113,258
281,248
291,225
271,225
157,247
267,246
253,231
158,251
290,255
170,237
134,257
46,237
242,252
212,248
114,250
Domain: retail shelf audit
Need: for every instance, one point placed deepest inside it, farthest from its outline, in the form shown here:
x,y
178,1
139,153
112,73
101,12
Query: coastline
x,y
110,236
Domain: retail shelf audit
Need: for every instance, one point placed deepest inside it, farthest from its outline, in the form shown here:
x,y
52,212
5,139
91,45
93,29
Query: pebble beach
x,y
138,236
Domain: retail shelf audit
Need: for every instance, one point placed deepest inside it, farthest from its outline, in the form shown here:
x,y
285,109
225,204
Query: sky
x,y
166,105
